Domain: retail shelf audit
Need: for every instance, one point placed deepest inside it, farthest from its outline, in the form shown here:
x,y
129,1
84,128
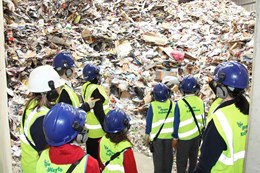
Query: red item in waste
x,y
177,55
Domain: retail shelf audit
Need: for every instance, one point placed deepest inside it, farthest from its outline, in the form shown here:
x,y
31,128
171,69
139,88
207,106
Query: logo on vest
x,y
243,128
49,168
109,152
162,110
193,108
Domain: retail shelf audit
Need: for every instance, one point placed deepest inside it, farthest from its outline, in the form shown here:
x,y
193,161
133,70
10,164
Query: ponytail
x,y
241,101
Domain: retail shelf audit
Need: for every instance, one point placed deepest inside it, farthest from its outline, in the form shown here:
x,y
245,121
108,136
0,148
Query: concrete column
x,y
5,146
252,163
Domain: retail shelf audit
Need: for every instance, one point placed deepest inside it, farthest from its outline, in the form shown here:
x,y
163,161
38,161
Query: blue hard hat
x,y
63,60
116,121
90,72
58,124
218,67
233,74
189,84
161,92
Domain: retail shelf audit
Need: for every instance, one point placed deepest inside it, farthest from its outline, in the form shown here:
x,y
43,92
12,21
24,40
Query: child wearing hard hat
x,y
115,149
64,129
43,83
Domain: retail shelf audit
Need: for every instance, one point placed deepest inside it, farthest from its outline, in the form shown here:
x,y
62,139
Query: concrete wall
x,y
253,150
249,5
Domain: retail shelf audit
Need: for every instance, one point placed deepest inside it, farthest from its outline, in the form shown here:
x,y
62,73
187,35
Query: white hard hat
x,y
39,79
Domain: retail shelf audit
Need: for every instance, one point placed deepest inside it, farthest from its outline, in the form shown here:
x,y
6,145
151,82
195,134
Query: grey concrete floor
x,y
145,163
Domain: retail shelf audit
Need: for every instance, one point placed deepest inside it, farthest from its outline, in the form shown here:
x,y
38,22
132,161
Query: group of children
x,y
181,126
169,123
54,122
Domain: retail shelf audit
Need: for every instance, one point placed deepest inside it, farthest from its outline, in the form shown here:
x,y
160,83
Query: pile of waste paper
x,y
136,43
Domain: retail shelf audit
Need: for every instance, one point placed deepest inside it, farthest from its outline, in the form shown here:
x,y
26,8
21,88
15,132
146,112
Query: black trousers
x,y
163,156
187,151
92,147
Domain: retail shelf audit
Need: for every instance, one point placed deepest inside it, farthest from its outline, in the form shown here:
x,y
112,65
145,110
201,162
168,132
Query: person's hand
x,y
148,98
91,102
174,143
147,139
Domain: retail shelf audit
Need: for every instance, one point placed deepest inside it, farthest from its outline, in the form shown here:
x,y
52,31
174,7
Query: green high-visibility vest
x,y
160,110
232,126
187,128
73,96
212,108
26,112
29,156
94,128
108,149
44,165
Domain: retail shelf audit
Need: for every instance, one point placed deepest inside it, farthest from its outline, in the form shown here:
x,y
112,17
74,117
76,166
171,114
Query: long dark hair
x,y
241,101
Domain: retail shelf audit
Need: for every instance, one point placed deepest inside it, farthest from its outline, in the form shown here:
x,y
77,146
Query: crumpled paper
x,y
135,43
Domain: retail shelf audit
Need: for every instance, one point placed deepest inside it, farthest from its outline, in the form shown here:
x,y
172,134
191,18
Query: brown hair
x,y
38,97
60,71
118,137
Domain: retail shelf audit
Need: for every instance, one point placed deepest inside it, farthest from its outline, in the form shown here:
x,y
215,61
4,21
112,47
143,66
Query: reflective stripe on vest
x,y
73,96
27,112
232,126
114,168
108,149
160,110
92,123
30,107
45,165
212,108
187,127
29,156
230,161
29,122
